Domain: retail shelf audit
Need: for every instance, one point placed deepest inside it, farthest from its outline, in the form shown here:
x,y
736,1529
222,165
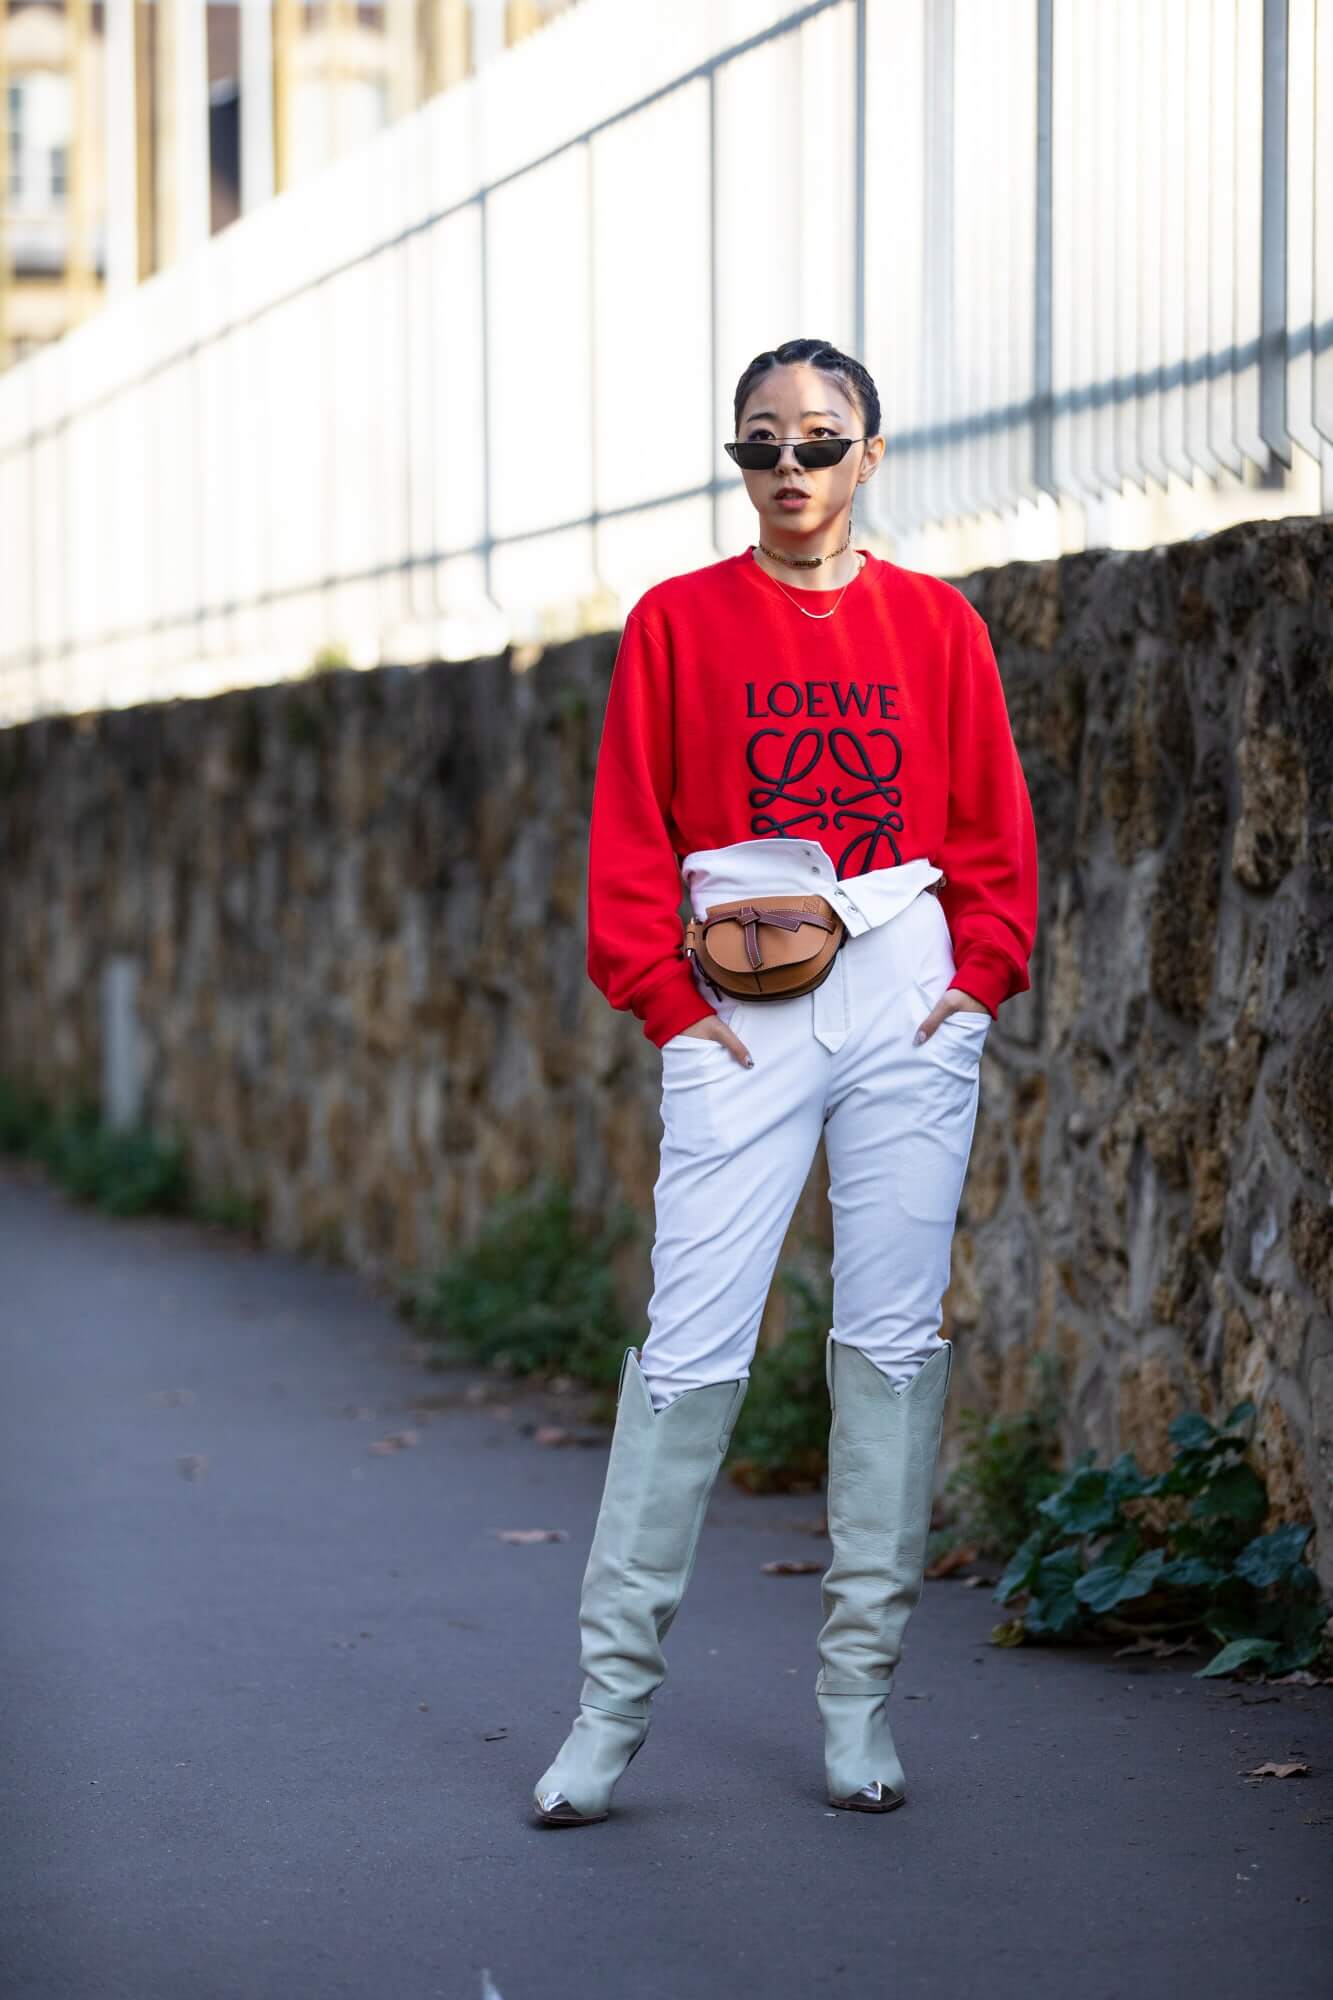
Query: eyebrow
x,y
757,414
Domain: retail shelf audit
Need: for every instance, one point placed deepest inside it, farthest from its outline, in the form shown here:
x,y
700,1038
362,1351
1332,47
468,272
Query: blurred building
x,y
383,288
126,136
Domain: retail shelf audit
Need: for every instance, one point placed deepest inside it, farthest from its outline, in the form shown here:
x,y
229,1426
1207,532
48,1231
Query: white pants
x,y
897,1122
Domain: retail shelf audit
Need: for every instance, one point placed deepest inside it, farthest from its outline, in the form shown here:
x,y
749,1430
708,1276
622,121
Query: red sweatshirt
x,y
731,716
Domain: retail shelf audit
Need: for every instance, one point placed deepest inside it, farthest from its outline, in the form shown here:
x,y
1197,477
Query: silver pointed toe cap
x,y
874,1797
556,1810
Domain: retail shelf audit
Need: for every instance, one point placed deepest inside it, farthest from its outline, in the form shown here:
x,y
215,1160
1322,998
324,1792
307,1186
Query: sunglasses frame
x,y
799,445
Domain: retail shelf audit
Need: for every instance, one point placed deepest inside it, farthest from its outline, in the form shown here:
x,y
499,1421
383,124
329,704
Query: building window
x,y
39,136
14,178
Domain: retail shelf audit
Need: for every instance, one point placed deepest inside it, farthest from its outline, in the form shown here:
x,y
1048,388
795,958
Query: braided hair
x,y
829,360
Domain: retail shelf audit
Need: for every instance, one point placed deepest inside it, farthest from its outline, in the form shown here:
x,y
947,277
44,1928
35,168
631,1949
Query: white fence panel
x,y
470,384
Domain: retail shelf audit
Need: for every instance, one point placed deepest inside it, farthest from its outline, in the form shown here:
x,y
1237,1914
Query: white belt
x,y
778,866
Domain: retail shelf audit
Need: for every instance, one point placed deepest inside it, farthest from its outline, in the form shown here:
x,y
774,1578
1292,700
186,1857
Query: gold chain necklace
x,y
860,565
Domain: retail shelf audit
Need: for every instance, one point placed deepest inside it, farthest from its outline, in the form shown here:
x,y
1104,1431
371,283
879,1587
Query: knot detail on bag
x,y
750,919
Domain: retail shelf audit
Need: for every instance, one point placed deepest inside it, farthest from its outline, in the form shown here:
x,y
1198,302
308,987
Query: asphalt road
x,y
274,1704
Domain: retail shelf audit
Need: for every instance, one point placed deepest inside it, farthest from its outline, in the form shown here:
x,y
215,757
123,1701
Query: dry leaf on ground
x,y
395,1441
951,1560
564,1434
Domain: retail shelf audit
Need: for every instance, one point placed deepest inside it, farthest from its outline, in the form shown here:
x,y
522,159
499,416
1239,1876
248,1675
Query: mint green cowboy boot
x,y
659,1477
883,1446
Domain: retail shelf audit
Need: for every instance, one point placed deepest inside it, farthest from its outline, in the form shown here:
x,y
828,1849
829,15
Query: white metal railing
x,y
470,383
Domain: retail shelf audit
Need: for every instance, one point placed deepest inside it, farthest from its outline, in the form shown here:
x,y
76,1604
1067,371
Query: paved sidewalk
x,y
274,1704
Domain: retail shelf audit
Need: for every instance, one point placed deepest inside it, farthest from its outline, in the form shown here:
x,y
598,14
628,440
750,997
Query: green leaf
x,y
1238,1654
1099,1588
1122,1549
1190,1573
1022,1568
1300,1634
1192,1470
1107,1585
1237,1492
1127,1481
1270,1558
1241,1413
1083,1505
1055,1609
1300,1653
1053,1617
1191,1430
1059,1566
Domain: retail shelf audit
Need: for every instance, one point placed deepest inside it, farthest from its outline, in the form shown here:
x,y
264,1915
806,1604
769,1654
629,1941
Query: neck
x,y
831,574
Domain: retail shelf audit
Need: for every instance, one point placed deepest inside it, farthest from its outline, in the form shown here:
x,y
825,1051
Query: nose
x,y
787,459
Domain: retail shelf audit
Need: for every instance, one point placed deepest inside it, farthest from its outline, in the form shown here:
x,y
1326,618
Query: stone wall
x,y
331,931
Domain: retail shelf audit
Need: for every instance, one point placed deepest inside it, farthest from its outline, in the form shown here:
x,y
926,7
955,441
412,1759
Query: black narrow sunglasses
x,y
755,455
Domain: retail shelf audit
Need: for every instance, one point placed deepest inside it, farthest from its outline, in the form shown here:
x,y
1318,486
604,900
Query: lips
x,y
791,493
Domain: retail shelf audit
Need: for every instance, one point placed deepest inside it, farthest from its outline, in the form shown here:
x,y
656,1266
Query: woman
x,y
805,717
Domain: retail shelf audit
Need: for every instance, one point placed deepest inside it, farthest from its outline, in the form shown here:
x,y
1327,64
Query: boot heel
x,y
554,1809
874,1797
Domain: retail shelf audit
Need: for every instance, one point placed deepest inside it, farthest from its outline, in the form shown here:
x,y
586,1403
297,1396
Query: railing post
x,y
1273,238
1042,469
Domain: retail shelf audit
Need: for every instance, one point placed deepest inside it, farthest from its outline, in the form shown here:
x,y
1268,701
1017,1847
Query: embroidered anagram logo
x,y
785,766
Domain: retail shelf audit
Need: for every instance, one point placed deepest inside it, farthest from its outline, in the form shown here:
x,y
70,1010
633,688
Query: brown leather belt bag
x,y
766,947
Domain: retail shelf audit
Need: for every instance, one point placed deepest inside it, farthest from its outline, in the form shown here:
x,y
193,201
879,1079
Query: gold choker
x,y
806,562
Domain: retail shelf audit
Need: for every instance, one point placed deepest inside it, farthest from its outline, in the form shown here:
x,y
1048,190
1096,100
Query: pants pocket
x,y
696,1074
958,1041
948,1071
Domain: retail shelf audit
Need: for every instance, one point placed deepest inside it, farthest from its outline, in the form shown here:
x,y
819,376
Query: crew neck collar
x,y
762,576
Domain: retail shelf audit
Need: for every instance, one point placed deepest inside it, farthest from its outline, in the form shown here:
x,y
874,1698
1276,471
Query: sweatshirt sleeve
x,y
990,844
635,952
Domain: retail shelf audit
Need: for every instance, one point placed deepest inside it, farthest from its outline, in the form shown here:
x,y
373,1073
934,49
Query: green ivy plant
x,y
25,1117
1087,1563
1007,1465
124,1172
534,1293
780,1443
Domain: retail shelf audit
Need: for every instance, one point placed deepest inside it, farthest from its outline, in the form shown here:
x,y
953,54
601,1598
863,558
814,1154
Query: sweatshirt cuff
x,y
671,1006
987,975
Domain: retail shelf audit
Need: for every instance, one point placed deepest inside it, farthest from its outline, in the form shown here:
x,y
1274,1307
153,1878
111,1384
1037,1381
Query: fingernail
x,y
918,1037
749,1062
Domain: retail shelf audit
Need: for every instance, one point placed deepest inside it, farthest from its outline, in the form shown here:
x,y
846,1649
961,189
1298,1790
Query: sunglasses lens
x,y
821,451
755,457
